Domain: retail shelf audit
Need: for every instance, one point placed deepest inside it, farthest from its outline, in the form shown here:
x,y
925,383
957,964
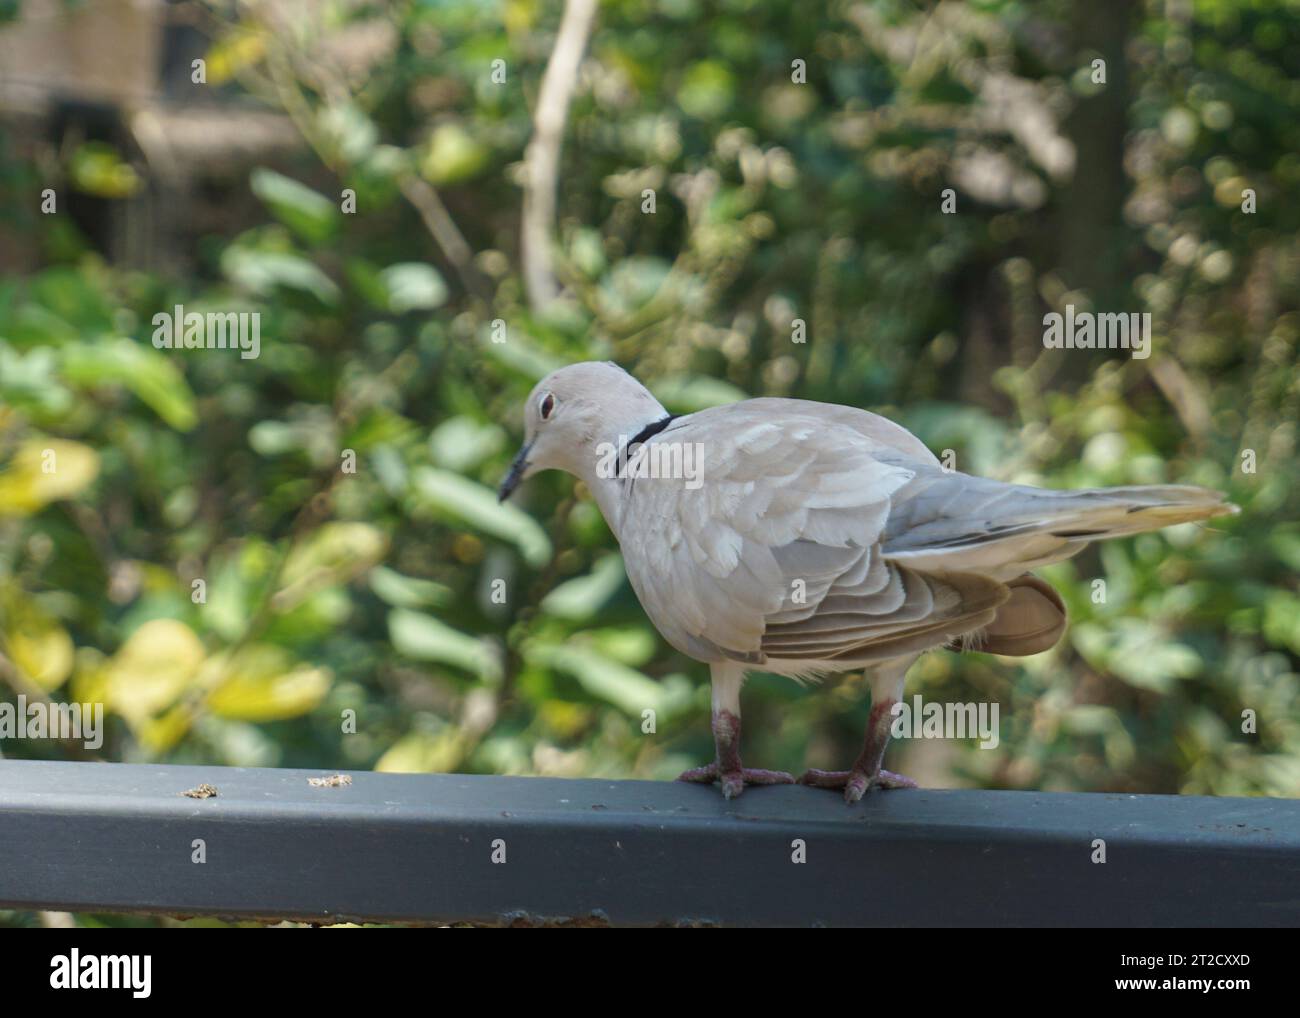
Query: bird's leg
x,y
726,768
866,772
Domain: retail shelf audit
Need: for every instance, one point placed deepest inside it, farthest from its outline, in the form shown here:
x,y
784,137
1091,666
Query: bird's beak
x,y
515,475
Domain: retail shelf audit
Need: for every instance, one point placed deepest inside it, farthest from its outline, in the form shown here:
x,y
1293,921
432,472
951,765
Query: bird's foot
x,y
734,781
855,783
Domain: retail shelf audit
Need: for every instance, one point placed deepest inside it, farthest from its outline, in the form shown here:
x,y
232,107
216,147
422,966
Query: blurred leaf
x,y
308,213
707,90
629,645
335,553
348,132
157,663
580,599
241,48
1285,541
28,382
425,638
161,733
76,298
478,507
97,169
980,439
261,272
1282,620
632,283
152,376
419,753
687,395
45,470
519,355
413,286
1137,652
452,156
38,645
462,443
629,690
406,591
262,683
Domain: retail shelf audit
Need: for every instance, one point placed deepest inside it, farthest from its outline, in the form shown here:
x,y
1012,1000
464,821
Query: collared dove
x,y
806,539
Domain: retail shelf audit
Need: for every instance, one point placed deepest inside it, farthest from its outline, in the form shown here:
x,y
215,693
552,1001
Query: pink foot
x,y
855,783
734,781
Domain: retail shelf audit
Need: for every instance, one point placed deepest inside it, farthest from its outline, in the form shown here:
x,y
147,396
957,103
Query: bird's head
x,y
573,411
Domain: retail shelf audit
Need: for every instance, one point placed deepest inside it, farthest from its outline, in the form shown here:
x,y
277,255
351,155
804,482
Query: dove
x,y
806,539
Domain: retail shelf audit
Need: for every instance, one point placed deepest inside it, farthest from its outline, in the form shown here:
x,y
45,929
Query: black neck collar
x,y
650,430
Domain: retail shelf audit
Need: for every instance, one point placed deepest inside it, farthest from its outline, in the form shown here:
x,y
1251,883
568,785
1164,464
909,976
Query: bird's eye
x,y
547,406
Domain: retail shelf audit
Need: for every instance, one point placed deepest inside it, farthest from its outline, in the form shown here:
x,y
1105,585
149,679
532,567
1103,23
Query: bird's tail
x,y
1114,512
963,523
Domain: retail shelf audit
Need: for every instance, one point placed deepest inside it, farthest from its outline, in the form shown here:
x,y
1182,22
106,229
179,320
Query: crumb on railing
x,y
333,781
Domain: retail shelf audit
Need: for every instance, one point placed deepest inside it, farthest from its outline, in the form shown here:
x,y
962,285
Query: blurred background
x,y
867,203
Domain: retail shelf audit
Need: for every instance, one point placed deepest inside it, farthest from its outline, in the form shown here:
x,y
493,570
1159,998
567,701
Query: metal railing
x,y
271,844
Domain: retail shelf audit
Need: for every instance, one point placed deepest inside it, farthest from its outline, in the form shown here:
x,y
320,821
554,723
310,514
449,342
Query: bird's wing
x,y
775,554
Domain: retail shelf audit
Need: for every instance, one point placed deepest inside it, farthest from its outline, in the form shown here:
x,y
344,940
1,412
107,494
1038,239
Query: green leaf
x,y
261,272
629,645
707,90
453,156
152,376
348,131
462,443
76,297
1282,620
407,591
686,395
334,554
97,169
368,282
629,690
477,506
517,354
1137,652
581,598
413,286
29,381
308,213
425,638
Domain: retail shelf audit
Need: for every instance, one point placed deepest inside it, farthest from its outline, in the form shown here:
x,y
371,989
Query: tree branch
x,y
542,158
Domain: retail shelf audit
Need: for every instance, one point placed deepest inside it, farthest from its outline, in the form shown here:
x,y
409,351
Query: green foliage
x,y
330,591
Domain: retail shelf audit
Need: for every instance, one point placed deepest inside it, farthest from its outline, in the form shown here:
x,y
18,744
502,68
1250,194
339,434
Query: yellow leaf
x,y
232,54
419,753
453,156
40,648
158,662
45,470
334,554
262,684
160,734
90,677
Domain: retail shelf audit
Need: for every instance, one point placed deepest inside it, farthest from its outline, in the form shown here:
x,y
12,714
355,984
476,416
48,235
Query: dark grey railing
x,y
446,848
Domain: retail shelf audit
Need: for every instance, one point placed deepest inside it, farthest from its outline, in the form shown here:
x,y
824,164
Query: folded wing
x,y
776,558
